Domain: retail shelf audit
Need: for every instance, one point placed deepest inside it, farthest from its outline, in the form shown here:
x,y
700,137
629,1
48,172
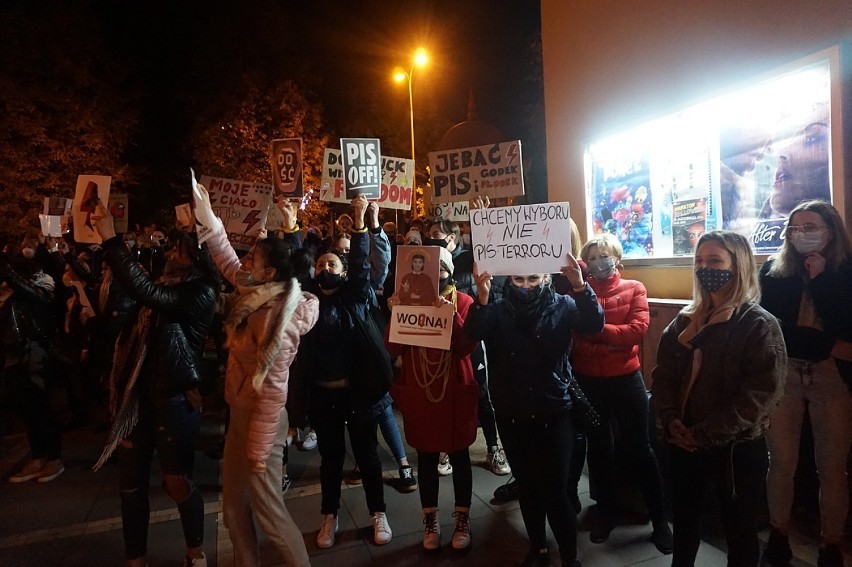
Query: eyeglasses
x,y
805,228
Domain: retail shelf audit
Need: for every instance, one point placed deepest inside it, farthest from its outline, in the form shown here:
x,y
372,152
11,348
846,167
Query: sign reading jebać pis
x,y
361,160
494,170
524,239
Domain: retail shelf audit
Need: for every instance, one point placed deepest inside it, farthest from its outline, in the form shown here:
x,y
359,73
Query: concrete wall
x,y
614,63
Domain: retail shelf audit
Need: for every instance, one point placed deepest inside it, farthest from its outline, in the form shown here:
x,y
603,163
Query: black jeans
x,y
427,470
737,473
29,394
171,427
624,399
331,414
539,451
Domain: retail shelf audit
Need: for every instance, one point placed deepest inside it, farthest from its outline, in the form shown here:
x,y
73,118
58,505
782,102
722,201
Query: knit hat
x,y
447,261
413,238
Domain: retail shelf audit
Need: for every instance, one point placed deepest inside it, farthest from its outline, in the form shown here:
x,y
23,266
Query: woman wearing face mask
x,y
438,398
720,373
807,286
528,339
607,368
154,383
348,372
264,318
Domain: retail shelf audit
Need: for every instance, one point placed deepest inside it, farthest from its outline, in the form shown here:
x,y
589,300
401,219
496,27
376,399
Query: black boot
x,y
777,552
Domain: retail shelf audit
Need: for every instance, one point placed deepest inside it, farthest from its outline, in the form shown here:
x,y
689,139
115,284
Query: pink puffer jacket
x,y
266,401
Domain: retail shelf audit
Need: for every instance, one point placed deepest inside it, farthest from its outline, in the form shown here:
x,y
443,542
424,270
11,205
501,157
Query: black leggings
x,y
427,470
539,451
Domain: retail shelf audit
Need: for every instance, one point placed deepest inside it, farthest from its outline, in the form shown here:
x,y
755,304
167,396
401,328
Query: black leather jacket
x,y
26,315
182,317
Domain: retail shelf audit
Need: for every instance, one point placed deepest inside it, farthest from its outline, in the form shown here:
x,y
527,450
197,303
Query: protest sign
x,y
56,212
417,278
286,161
397,181
457,211
118,208
416,320
90,189
183,214
361,164
463,174
242,207
524,239
422,326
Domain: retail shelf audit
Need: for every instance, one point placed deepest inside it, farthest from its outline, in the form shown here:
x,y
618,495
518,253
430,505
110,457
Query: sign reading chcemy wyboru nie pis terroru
x,y
524,239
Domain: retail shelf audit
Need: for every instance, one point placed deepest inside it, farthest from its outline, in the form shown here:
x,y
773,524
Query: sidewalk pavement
x,y
76,519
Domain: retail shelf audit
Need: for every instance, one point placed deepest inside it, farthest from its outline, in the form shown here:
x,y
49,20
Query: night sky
x,y
177,51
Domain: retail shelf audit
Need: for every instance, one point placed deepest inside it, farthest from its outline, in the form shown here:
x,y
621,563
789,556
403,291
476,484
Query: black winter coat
x,y
182,317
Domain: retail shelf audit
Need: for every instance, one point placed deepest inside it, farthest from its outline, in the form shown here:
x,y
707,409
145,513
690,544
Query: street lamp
x,y
420,59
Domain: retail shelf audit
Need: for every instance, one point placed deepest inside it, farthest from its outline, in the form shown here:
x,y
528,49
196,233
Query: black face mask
x,y
326,280
442,242
444,282
525,295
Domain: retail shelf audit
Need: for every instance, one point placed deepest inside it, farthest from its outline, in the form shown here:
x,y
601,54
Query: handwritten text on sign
x,y
464,174
525,239
241,205
397,181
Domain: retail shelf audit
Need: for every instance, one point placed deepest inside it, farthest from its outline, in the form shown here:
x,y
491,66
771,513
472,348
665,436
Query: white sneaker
x,y
461,534
382,533
325,537
51,471
444,466
432,531
310,442
497,462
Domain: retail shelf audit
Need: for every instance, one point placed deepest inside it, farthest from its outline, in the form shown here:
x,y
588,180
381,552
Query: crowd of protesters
x,y
301,320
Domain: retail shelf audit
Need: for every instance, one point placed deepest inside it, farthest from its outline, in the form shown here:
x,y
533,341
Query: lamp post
x,y
419,60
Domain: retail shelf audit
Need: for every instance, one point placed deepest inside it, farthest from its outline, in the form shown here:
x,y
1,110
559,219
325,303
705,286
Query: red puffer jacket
x,y
615,350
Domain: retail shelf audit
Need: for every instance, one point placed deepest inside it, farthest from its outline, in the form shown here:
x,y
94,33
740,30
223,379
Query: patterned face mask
x,y
712,279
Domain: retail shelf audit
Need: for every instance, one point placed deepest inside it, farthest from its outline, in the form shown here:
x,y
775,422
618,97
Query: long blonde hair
x,y
742,288
787,262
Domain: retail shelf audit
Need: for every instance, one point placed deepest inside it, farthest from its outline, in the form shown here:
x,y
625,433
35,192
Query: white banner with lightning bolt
x,y
521,240
241,205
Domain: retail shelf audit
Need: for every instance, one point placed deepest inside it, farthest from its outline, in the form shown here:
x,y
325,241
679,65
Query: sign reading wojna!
x,y
397,181
463,174
524,239
361,160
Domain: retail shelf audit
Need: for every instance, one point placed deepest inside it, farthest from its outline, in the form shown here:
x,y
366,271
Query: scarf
x,y
247,300
528,310
450,293
130,352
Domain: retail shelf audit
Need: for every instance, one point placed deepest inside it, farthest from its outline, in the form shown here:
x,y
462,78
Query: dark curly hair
x,y
288,262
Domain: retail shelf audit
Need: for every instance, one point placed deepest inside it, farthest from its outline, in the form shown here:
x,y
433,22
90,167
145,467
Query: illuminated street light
x,y
419,60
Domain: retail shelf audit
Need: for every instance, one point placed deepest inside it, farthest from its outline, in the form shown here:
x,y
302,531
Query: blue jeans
x,y
171,427
390,431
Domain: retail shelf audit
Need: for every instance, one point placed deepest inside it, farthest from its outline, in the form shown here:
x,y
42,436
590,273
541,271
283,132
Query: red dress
x,y
437,393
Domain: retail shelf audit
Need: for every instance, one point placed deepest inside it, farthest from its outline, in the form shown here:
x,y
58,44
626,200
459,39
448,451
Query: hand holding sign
x,y
483,284
573,272
359,208
288,211
203,209
103,222
373,215
480,203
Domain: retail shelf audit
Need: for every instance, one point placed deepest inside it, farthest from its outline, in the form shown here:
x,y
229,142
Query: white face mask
x,y
29,253
805,243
